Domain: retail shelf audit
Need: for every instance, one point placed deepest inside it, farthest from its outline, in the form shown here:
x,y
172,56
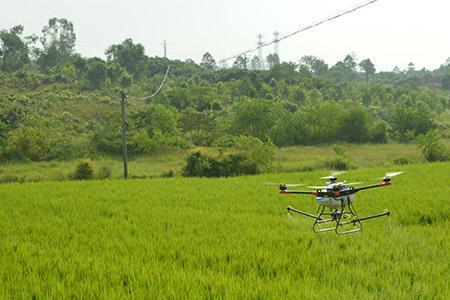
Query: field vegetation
x,y
287,159
198,238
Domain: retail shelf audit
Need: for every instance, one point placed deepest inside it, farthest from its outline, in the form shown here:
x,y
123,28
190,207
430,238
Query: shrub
x,y
9,179
403,161
257,152
203,165
432,147
168,174
337,163
104,172
197,164
83,171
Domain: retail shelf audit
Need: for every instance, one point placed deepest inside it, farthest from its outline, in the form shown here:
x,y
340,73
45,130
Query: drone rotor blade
x,y
333,175
390,175
317,187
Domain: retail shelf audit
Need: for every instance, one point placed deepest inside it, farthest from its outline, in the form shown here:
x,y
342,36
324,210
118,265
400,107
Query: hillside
x,y
57,105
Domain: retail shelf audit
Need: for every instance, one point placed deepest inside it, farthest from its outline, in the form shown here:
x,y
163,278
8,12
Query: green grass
x,y
192,238
289,159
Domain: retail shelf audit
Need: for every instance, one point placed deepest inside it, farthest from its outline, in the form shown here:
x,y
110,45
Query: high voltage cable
x,y
300,30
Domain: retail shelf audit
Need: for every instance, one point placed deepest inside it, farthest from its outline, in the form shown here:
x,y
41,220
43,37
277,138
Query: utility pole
x,y
123,101
165,48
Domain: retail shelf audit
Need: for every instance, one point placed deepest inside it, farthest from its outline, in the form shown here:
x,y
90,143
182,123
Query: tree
x,y
410,121
350,62
256,63
157,117
58,42
316,65
13,50
355,125
96,73
445,82
255,118
273,60
129,55
368,67
208,61
344,70
241,62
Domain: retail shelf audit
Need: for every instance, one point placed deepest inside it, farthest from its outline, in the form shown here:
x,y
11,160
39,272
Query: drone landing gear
x,y
343,221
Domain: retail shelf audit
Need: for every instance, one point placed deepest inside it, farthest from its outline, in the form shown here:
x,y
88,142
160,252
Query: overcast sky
x,y
389,32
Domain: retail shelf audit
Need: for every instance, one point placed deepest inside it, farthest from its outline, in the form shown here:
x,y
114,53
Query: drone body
x,y
335,199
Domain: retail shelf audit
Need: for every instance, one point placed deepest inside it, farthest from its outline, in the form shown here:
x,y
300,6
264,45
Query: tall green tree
x,y
241,62
368,67
445,82
254,118
316,65
208,61
96,73
58,43
13,49
273,60
129,55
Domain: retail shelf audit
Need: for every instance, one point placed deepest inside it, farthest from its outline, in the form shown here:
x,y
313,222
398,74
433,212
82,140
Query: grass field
x,y
192,238
290,159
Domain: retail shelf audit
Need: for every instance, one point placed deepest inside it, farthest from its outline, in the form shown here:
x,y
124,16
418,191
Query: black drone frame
x,y
343,220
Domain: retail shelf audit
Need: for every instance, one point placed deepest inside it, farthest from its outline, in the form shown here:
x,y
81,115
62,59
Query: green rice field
x,y
226,238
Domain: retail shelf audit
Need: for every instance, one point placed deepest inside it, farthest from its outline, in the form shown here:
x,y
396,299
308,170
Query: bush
x,y
83,171
203,165
403,161
9,179
197,164
168,174
104,172
432,147
246,155
337,163
257,153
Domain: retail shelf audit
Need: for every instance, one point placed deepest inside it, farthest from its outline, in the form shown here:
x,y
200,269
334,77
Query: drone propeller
x,y
390,175
317,187
333,175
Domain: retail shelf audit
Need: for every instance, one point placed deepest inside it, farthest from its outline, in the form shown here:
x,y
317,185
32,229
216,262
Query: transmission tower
x,y
276,42
260,44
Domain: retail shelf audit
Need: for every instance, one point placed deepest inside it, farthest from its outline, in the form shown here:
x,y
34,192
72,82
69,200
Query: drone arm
x,y
381,184
298,192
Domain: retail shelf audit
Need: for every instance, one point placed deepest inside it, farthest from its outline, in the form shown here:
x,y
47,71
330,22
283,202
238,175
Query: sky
x,y
389,32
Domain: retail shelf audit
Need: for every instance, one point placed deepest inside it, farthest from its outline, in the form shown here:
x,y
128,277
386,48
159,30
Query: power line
x,y
300,30
159,89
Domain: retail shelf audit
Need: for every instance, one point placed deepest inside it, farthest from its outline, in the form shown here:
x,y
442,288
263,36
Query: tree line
x,y
57,104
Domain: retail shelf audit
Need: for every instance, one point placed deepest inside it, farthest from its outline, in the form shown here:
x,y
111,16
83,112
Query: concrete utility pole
x,y
165,48
123,100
